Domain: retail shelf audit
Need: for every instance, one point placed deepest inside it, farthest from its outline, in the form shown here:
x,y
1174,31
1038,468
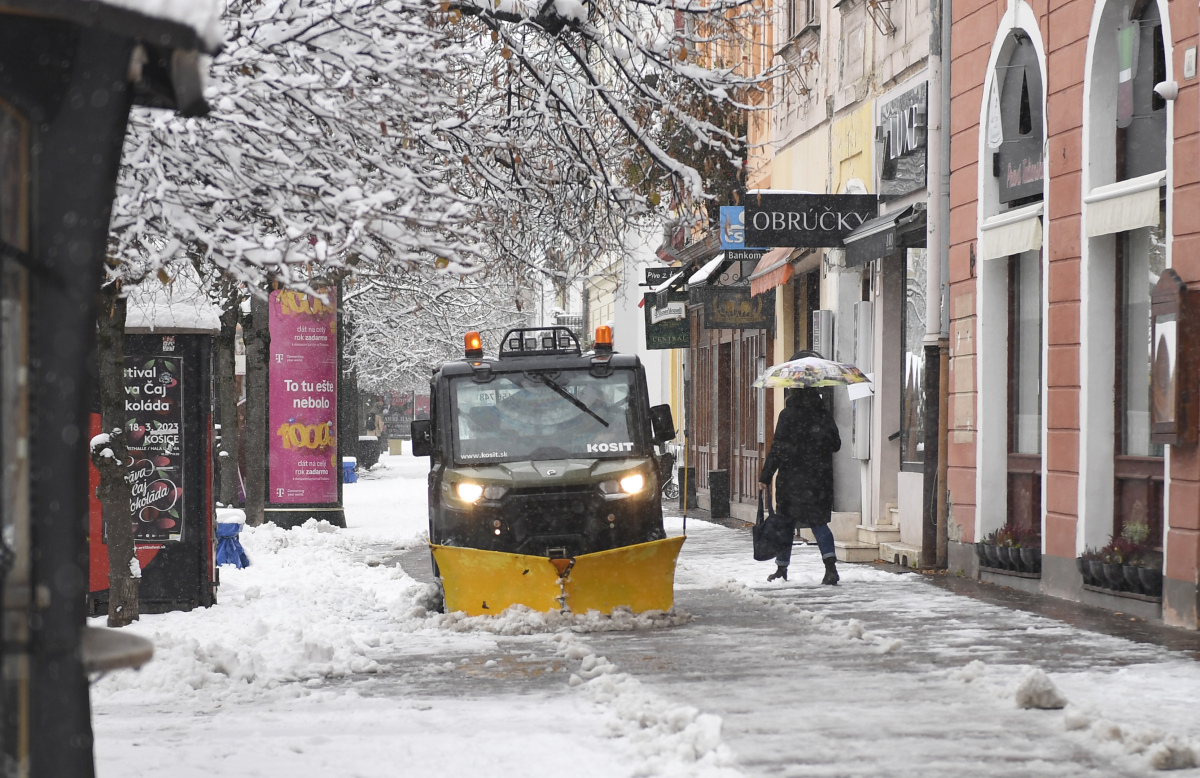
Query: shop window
x,y
912,399
1141,114
1138,462
1025,389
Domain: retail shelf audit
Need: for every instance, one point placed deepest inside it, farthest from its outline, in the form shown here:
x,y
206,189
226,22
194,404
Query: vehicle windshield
x,y
561,414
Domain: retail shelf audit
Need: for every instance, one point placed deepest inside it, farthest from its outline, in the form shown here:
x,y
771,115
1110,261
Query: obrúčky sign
x,y
805,220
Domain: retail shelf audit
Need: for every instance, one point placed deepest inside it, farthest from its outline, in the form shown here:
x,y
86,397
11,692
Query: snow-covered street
x,y
321,660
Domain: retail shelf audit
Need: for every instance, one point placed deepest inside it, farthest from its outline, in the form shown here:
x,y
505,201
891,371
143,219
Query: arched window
x,y
1141,113
1018,116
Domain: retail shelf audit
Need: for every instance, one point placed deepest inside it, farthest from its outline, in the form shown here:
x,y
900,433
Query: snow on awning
x,y
771,271
183,308
1012,232
701,275
173,24
1125,205
666,284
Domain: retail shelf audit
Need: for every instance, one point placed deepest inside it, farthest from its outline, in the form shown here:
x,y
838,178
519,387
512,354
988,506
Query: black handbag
x,y
772,533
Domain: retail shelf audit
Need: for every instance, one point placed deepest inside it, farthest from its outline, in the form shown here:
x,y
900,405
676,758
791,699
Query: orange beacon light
x,y
604,338
473,346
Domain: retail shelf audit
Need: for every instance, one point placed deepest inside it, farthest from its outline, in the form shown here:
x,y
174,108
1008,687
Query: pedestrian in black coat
x,y
801,460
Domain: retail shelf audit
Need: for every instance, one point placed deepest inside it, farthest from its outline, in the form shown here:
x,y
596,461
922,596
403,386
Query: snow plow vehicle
x,y
545,470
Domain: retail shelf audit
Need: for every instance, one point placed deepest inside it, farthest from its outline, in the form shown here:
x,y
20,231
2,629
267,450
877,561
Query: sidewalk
x,y
1075,614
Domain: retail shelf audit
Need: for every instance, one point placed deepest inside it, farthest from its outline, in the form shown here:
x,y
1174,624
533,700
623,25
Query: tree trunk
x,y
111,460
257,335
227,399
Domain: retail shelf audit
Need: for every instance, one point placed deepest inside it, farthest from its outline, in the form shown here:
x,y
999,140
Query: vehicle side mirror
x,y
662,423
422,437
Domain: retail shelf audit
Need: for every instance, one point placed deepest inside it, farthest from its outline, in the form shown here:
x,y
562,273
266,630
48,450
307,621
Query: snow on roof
x,y
181,307
203,16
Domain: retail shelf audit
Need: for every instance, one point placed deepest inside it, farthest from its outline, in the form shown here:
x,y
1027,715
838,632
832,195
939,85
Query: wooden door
x,y
703,408
725,408
754,415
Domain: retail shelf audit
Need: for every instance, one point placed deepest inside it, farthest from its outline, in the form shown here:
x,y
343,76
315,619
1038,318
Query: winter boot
x,y
831,574
780,572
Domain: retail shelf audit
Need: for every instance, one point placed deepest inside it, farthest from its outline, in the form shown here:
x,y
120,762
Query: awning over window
x,y
1011,232
877,237
772,270
1125,205
701,275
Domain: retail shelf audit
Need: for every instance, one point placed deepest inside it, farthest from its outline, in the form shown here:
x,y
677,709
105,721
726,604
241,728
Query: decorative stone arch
x,y
1098,267
1007,220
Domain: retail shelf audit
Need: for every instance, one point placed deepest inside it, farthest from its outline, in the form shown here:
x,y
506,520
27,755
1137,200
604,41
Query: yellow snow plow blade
x,y
640,577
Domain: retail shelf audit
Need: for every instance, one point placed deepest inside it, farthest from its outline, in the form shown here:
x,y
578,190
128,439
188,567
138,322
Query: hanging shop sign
x,y
1174,393
733,308
805,220
303,399
733,227
901,144
1015,133
667,325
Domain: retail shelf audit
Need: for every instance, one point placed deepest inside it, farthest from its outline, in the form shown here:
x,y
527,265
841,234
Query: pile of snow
x,y
671,739
299,614
520,620
1036,690
231,516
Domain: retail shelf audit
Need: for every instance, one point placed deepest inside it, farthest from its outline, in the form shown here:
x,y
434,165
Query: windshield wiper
x,y
580,404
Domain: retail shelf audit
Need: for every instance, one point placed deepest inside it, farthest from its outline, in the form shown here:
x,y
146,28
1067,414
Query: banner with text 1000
x,y
303,387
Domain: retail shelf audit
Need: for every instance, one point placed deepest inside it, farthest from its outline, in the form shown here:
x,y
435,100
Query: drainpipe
x,y
933,528
943,491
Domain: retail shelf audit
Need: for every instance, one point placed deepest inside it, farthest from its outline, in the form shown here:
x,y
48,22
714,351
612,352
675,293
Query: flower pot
x,y
993,555
1031,560
1132,582
1151,580
981,552
1097,568
1006,558
1085,571
1115,576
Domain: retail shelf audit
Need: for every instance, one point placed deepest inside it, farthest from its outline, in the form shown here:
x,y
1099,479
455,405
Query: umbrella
x,y
810,372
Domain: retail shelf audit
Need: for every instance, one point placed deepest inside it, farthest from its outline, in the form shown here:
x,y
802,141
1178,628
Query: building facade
x,y
851,119
1073,229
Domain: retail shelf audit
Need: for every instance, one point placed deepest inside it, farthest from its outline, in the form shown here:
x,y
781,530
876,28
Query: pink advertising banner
x,y
303,388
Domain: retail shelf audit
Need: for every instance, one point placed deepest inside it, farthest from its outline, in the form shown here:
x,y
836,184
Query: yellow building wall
x,y
850,145
808,162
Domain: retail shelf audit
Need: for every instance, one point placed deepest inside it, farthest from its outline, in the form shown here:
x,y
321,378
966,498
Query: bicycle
x,y
670,489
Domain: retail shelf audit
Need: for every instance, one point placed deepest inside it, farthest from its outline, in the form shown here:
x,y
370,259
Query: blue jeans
x,y
824,537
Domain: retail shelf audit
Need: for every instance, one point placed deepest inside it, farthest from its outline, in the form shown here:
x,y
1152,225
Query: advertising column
x,y
304,474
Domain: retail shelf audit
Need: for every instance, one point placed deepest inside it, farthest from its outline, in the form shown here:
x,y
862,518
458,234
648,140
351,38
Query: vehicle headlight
x,y
494,492
632,484
609,487
469,492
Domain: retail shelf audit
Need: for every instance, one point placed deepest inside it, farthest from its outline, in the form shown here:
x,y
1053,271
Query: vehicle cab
x,y
544,450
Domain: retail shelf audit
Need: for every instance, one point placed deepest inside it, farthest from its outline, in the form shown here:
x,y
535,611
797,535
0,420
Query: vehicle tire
x,y
671,490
